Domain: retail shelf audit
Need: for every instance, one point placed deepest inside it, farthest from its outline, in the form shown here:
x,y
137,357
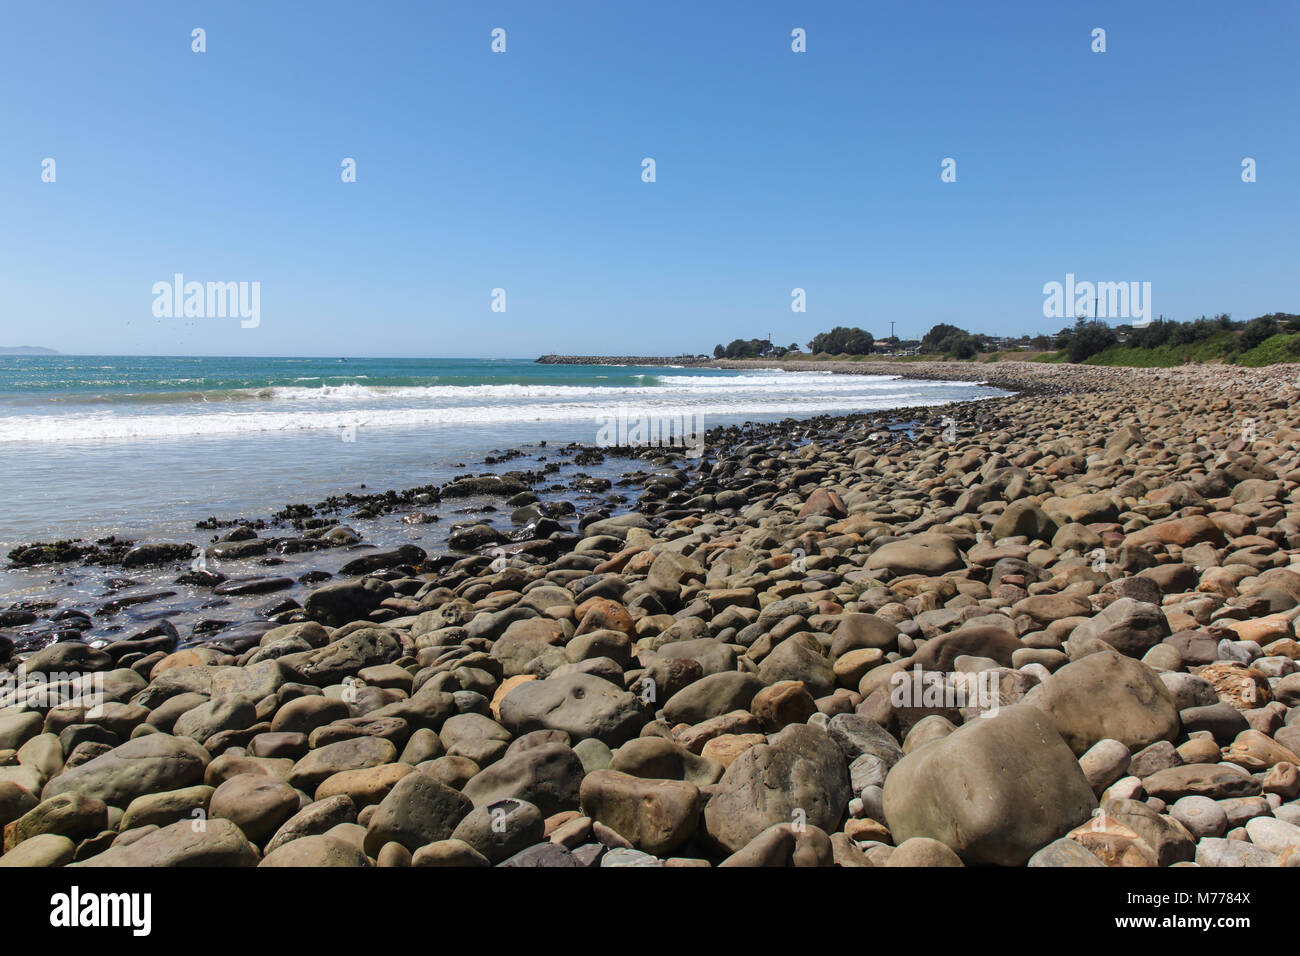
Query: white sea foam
x,y
289,408
794,384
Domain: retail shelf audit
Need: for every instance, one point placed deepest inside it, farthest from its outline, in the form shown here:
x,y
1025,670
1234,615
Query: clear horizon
x,y
522,171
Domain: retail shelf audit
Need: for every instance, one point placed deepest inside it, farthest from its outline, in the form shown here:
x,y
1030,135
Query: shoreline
x,y
267,516
1111,554
249,554
1039,377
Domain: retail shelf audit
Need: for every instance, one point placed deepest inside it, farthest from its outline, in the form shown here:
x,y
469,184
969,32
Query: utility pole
x,y
891,330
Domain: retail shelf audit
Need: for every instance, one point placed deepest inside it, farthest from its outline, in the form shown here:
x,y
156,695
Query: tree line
x,y
838,341
1081,341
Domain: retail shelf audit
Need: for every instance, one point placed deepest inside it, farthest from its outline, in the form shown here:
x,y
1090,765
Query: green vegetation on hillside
x,y
1229,347
1264,340
1284,347
1215,349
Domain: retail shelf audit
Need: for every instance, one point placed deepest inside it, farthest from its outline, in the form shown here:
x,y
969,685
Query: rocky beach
x,y
1053,629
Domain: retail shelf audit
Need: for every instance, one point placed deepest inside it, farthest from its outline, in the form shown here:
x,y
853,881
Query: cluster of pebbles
x,y
1053,629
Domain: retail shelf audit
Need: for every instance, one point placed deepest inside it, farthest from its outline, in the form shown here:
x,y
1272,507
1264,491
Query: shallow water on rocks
x,y
192,487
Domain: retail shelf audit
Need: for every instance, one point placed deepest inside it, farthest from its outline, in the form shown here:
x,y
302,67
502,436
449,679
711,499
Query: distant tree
x,y
719,351
962,346
940,338
859,342
1089,338
747,348
1257,330
843,340
1153,336
1189,333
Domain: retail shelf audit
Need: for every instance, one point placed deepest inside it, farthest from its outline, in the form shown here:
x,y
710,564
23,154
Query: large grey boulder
x,y
995,790
147,764
1107,696
327,665
799,776
417,811
346,601
548,777
1131,627
582,705
927,554
218,842
712,696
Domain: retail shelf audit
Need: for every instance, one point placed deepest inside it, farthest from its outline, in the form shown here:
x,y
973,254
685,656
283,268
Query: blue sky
x,y
522,170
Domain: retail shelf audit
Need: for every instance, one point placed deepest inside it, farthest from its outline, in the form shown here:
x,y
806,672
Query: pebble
x,y
668,684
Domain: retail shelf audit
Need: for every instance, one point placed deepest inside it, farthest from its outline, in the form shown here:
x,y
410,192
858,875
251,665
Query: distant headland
x,y
25,350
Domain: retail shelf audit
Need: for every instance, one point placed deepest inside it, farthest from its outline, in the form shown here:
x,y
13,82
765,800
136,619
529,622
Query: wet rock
x,y
336,604
342,658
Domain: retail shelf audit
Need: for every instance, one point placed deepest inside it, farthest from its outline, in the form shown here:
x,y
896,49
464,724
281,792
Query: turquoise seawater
x,y
94,445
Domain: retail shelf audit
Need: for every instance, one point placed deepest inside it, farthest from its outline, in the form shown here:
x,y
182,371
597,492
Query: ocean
x,y
146,446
